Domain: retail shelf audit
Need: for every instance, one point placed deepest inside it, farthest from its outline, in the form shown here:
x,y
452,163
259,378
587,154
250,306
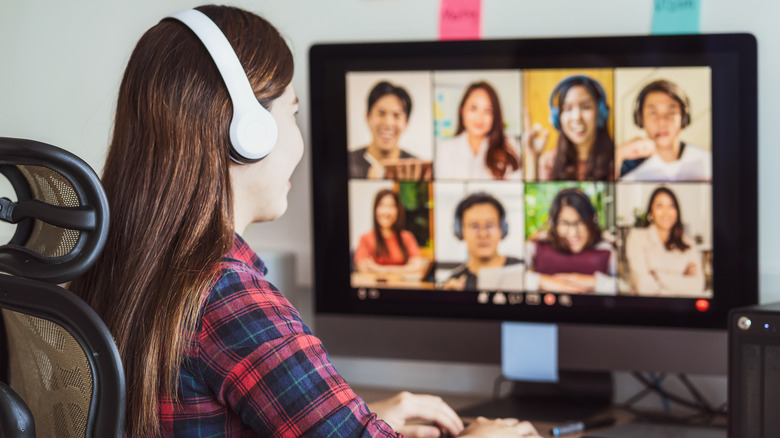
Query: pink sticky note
x,y
460,20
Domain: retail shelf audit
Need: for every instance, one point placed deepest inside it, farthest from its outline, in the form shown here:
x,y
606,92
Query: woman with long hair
x,y
480,148
572,257
209,347
389,248
661,258
585,151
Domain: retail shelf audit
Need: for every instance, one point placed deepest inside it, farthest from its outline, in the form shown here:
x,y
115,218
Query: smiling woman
x,y
480,149
572,257
661,258
585,151
389,248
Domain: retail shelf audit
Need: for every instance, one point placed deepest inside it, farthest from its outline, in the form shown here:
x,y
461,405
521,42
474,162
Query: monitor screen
x,y
573,180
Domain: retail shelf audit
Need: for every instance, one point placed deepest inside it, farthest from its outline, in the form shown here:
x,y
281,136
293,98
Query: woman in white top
x,y
661,259
480,149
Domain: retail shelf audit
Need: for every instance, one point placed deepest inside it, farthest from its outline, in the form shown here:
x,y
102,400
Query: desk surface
x,y
459,402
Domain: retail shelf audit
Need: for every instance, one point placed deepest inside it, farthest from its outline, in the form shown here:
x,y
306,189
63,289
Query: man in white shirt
x,y
663,111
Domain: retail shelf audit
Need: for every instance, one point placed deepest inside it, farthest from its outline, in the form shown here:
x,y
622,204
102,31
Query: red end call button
x,y
702,305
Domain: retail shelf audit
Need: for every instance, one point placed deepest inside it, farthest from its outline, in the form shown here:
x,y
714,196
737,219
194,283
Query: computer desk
x,y
459,401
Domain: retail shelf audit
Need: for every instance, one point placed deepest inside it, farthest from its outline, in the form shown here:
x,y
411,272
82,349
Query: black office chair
x,y
65,377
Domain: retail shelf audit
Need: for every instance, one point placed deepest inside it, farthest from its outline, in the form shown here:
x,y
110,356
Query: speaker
x,y
754,372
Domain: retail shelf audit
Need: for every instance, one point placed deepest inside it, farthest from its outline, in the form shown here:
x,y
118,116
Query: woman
x,y
572,258
479,150
661,259
388,248
585,151
389,107
209,347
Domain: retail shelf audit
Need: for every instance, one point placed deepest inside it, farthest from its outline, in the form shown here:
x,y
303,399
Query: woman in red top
x,y
388,248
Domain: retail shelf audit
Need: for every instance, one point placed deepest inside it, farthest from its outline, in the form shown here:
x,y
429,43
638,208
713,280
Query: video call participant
x,y
480,149
389,107
663,110
389,248
571,257
199,330
585,151
480,222
661,258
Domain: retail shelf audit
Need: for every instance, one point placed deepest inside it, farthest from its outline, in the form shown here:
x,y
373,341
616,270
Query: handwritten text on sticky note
x,y
460,20
676,16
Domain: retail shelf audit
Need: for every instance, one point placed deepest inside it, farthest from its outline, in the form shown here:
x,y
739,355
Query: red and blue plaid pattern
x,y
255,369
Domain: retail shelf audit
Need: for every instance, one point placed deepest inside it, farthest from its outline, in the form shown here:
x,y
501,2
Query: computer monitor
x,y
603,184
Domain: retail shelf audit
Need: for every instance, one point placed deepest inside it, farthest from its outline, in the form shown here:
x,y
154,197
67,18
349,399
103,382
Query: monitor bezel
x,y
732,58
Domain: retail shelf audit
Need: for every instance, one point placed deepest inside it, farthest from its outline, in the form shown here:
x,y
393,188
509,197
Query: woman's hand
x,y
691,269
534,137
555,283
404,408
584,281
499,428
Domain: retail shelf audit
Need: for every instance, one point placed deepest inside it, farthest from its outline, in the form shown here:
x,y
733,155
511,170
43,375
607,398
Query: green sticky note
x,y
676,16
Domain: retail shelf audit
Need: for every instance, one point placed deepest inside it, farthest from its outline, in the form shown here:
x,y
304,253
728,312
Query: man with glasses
x,y
480,222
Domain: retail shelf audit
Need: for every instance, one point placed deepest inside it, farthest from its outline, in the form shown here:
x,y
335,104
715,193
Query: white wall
x,y
61,62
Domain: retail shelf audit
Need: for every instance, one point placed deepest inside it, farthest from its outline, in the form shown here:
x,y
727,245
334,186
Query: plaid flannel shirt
x,y
255,369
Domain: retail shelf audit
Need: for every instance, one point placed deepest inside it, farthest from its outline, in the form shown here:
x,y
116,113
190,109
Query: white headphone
x,y
253,130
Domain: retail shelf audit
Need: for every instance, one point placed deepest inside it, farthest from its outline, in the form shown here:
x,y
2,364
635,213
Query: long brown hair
x,y
398,225
675,239
500,159
168,185
602,156
578,200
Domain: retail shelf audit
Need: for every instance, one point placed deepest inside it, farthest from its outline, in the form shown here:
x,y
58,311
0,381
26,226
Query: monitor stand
x,y
577,395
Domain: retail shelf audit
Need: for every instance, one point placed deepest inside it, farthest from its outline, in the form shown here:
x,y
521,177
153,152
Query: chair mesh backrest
x,y
61,359
51,373
48,369
51,187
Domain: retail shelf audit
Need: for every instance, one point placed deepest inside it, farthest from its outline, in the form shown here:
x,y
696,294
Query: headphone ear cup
x,y
253,134
457,228
603,114
504,228
686,120
555,120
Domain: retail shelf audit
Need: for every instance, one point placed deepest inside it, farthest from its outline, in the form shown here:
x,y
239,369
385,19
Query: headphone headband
x,y
476,199
253,131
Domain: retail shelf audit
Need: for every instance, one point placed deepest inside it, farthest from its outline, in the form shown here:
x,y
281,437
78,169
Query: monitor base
x,y
576,396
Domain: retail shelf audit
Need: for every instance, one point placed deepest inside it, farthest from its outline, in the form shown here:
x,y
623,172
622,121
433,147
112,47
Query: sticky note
x,y
460,20
529,351
676,16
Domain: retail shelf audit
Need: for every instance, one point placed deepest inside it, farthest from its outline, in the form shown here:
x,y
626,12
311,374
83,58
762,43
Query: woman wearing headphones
x,y
662,109
480,149
389,248
661,258
585,151
572,257
209,347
